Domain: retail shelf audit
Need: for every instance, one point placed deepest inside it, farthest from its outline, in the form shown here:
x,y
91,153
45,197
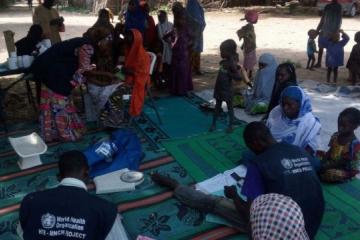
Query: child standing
x,y
353,63
247,33
228,71
334,53
163,28
311,49
340,162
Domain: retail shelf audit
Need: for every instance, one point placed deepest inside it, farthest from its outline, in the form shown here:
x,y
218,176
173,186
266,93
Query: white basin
x,y
29,148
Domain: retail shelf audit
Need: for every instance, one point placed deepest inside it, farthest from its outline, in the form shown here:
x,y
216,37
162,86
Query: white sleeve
x,y
117,231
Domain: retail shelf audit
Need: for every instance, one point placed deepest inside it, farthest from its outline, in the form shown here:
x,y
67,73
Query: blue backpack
x,y
122,150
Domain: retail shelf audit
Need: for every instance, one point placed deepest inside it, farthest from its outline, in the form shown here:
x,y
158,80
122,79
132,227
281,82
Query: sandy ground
x,y
284,36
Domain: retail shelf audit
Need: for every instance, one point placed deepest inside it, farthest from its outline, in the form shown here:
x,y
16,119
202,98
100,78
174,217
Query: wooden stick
x,y
9,41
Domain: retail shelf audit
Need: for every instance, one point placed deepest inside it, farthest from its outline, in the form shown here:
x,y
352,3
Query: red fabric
x,y
137,60
251,16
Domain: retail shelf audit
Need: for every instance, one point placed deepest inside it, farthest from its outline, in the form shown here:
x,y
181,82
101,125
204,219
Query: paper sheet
x,y
215,186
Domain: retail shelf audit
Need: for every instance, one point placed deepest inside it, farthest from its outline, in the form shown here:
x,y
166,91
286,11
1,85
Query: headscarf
x,y
279,87
102,22
304,130
135,19
162,30
196,12
180,15
150,30
264,79
275,216
251,16
138,60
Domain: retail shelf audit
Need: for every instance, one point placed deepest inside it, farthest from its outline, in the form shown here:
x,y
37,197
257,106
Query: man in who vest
x,y
277,168
69,211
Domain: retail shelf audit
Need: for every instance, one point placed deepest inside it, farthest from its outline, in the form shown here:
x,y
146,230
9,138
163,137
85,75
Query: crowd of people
x,y
111,60
284,162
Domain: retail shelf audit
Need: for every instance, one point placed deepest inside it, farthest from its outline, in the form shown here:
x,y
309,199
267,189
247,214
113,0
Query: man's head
x,y
258,137
73,164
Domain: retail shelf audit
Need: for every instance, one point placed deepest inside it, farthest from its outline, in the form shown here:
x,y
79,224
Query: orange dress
x,y
138,60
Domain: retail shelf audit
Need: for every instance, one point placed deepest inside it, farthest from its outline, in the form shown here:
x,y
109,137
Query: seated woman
x,y
60,69
285,77
340,163
257,102
292,121
27,45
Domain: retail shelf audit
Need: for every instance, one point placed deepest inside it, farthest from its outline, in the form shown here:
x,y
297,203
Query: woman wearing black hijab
x,y
285,77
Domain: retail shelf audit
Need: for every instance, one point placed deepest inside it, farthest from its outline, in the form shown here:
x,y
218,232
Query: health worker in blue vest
x,y
283,169
69,211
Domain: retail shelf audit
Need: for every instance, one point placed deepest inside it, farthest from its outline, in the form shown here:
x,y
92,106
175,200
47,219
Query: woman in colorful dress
x,y
58,71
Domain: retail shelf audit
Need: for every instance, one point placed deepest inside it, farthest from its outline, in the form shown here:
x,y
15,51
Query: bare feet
x,y
164,181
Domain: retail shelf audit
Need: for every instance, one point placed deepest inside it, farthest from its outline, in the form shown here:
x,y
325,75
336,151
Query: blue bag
x,y
123,150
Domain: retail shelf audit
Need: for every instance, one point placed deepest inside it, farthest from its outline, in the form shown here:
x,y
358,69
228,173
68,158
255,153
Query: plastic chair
x,y
147,87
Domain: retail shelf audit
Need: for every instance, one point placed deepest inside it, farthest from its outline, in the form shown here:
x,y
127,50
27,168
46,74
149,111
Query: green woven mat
x,y
208,154
342,215
180,116
197,158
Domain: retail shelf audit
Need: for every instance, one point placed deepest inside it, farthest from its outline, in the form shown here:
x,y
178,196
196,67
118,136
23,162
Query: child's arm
x,y
240,33
345,38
